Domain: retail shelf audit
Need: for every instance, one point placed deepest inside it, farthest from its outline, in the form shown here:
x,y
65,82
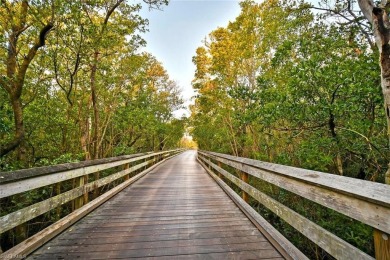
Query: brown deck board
x,y
166,237
176,211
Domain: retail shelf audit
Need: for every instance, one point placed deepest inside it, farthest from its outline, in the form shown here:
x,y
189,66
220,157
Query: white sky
x,y
176,32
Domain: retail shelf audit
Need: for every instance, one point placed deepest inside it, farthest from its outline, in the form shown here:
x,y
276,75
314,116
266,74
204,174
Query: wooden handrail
x,y
12,176
364,201
29,179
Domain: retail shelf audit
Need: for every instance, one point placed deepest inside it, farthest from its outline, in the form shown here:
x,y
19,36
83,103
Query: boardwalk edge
x,y
31,244
284,246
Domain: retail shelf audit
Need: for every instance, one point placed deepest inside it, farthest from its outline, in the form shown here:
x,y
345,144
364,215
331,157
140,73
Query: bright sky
x,y
176,32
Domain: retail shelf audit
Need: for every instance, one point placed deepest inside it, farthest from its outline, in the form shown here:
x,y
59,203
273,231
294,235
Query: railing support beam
x,y
79,202
125,167
245,178
219,165
382,245
57,187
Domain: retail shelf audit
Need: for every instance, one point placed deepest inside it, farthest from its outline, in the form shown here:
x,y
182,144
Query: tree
x,y
25,27
378,17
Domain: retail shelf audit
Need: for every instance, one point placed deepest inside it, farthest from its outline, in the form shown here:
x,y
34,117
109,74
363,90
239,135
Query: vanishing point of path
x,y
176,211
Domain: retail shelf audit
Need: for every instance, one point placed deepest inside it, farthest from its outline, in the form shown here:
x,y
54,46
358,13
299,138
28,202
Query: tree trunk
x,y
19,127
84,132
95,124
385,83
17,69
378,17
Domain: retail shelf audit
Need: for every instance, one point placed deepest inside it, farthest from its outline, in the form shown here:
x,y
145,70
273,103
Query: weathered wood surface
x,y
34,172
12,183
365,201
34,242
176,211
21,216
334,245
285,247
372,191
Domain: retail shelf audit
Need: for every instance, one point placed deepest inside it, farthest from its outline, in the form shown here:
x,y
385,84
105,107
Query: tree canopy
x,y
75,85
282,84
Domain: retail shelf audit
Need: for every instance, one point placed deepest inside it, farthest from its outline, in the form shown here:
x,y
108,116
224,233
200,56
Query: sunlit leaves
x,y
316,91
135,96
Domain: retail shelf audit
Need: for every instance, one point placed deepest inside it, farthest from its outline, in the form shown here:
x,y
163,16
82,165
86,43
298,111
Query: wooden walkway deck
x,y
177,211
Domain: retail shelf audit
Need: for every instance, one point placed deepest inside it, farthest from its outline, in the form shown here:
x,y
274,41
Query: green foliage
x,y
279,84
130,108
88,93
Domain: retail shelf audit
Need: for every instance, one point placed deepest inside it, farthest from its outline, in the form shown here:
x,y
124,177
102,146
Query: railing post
x,y
244,177
21,233
125,167
79,202
146,160
57,188
86,195
220,166
381,245
96,191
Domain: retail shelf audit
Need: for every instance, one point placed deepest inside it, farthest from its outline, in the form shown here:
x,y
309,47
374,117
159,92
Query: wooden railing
x,y
365,201
86,182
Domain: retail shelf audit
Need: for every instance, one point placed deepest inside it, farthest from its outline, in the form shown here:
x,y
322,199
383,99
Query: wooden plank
x,y
76,234
48,233
165,237
166,213
33,182
142,218
256,254
366,190
285,247
157,226
381,245
174,209
126,166
332,244
371,211
108,253
23,215
130,245
164,225
46,170
78,201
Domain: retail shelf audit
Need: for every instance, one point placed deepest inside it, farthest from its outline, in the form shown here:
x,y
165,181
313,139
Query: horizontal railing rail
x,y
27,180
365,201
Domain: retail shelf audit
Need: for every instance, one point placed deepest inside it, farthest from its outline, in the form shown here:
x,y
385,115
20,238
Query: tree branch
x,y
367,6
363,28
370,144
30,56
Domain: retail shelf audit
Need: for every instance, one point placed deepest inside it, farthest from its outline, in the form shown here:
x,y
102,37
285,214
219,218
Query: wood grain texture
x,y
12,183
21,216
34,172
366,190
335,246
371,207
176,211
382,245
34,242
285,247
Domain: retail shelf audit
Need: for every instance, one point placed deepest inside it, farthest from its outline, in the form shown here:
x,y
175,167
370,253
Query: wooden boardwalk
x,y
177,211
